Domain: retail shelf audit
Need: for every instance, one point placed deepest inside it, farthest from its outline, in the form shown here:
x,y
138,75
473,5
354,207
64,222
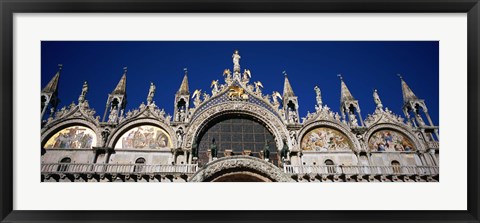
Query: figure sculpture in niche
x,y
266,151
179,137
195,149
213,149
105,134
284,151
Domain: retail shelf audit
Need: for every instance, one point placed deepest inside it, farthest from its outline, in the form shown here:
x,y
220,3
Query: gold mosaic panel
x,y
144,137
390,141
325,139
74,137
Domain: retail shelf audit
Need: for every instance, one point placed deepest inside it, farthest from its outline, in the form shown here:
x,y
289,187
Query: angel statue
x,y
196,96
246,75
214,85
228,74
258,86
276,95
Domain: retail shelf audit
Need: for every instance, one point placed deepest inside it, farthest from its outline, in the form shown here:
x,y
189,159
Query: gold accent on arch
x,y
390,140
144,137
325,139
73,137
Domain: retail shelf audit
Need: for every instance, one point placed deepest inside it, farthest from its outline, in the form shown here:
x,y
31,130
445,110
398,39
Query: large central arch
x,y
240,169
235,135
273,123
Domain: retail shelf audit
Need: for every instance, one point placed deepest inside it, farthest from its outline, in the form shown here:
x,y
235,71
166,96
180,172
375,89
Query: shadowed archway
x,y
240,169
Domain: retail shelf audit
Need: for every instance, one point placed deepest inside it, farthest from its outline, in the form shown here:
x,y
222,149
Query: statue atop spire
x,y
236,62
82,96
377,100
319,97
151,93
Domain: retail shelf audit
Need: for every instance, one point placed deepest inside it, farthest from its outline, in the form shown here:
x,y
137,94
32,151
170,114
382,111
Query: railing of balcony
x,y
433,145
361,170
117,168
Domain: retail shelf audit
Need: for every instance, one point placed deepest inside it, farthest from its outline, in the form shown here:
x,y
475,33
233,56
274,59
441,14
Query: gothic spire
x,y
408,94
184,86
122,84
53,83
345,93
287,88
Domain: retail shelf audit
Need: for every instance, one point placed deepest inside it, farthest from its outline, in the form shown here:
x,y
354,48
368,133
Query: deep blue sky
x,y
364,65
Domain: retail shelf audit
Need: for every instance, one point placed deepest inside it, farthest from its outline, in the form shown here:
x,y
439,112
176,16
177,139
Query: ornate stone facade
x,y
148,145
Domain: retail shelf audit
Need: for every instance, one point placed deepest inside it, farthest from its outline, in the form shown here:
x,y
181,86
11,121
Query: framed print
x,y
239,111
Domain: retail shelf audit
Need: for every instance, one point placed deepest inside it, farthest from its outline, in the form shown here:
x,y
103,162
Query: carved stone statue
x,y
196,97
85,88
258,87
151,93
105,134
284,151
246,75
293,137
195,148
266,151
213,149
179,137
81,98
214,87
112,118
227,73
319,96
376,99
236,62
353,119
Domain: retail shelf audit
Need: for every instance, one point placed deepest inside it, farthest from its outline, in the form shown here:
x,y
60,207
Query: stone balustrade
x,y
362,170
95,168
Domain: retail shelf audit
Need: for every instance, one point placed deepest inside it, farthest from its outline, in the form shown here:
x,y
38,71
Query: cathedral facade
x,y
235,132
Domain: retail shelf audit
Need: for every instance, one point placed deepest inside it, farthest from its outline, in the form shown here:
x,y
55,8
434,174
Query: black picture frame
x,y
9,7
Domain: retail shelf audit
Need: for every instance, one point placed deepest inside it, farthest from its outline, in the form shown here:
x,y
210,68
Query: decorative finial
x,y
400,76
185,70
284,73
60,66
125,70
340,76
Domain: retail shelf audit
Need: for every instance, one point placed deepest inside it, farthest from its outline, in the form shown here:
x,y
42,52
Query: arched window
x,y
63,166
236,134
396,167
139,165
330,166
